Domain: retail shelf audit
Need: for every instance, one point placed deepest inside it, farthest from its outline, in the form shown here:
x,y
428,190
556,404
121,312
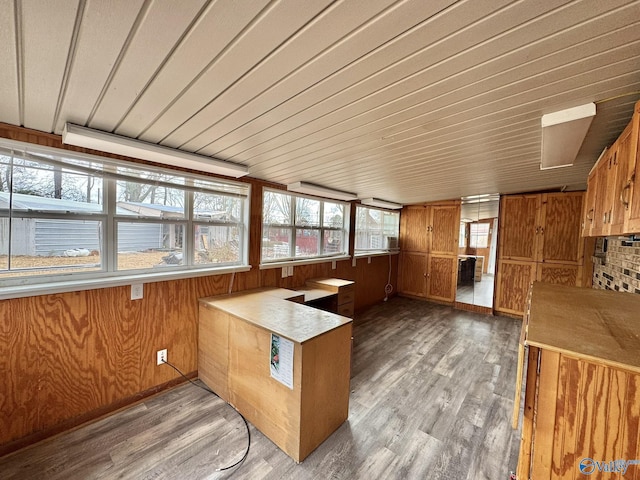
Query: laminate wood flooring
x,y
432,393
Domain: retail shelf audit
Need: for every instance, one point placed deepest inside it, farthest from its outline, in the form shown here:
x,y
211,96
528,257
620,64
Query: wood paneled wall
x,y
70,357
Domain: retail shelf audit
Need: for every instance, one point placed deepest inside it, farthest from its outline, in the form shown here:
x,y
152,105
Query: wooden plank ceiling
x,y
408,101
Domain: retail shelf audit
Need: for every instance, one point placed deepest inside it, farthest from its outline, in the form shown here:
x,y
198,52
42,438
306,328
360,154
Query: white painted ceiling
x,y
408,101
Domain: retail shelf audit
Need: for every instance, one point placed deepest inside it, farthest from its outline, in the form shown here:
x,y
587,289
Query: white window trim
x,y
107,276
359,253
376,253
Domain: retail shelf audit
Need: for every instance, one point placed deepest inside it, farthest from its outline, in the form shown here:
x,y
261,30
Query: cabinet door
x,y
413,274
558,235
512,285
620,176
589,210
559,274
414,235
445,229
631,190
603,198
518,223
442,274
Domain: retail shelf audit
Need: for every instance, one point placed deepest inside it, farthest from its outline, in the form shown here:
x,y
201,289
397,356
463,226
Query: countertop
x,y
597,325
269,308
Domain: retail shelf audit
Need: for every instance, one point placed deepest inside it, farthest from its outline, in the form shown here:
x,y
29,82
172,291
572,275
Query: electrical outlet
x,y
333,265
137,291
162,356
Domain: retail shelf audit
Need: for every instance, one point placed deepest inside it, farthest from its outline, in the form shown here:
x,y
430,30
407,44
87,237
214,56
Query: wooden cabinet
x,y
613,196
343,291
413,274
234,349
440,272
429,241
630,194
582,390
540,238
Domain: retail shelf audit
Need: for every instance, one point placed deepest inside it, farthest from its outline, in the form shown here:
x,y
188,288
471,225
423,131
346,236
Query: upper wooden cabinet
x,y
518,223
430,228
413,228
541,227
612,204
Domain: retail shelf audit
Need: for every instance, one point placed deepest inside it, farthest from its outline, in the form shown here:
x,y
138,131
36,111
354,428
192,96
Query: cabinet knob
x,y
625,198
590,215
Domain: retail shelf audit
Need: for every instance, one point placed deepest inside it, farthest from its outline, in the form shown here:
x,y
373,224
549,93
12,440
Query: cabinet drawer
x,y
346,310
346,295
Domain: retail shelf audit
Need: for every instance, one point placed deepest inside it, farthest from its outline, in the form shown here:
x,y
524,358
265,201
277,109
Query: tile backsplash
x,y
618,268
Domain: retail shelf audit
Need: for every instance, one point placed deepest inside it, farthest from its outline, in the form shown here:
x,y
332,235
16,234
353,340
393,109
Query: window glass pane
x,y
376,229
276,243
149,201
333,215
149,245
333,242
45,188
479,235
276,208
307,212
42,246
307,242
150,177
217,208
216,244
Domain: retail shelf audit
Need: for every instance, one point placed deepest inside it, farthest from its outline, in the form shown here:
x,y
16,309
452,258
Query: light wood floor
x,y
432,392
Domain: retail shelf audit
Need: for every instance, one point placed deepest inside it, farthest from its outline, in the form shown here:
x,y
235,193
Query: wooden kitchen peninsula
x,y
582,394
234,351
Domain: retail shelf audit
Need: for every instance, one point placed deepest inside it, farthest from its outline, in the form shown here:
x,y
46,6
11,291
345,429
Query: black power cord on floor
x,y
246,424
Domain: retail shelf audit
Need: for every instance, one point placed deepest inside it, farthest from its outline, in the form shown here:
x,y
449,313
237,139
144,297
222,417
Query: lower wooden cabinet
x,y
441,278
428,276
515,277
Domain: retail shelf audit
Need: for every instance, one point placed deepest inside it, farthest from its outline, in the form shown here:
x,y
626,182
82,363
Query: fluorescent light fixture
x,y
109,142
376,202
563,133
320,191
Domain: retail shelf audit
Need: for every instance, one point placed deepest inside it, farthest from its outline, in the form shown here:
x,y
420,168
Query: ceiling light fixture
x,y
129,147
376,202
563,133
320,191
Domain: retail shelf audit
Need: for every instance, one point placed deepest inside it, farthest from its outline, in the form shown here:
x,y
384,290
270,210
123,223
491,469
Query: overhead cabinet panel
x,y
559,228
518,223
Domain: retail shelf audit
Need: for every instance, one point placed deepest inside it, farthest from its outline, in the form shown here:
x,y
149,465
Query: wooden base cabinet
x,y
582,389
429,276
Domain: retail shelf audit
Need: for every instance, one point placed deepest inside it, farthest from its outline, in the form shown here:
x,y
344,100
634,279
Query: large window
x,y
296,227
376,230
63,213
479,235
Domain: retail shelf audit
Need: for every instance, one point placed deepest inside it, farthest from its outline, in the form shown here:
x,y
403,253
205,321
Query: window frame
x,y
362,252
108,275
473,238
292,226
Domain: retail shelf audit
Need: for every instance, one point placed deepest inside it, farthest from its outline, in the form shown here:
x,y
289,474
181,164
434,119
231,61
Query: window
x,y
462,236
479,235
297,227
63,213
376,230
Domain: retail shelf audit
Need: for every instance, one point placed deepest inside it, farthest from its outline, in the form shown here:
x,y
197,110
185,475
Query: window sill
x,y
307,261
64,286
377,253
